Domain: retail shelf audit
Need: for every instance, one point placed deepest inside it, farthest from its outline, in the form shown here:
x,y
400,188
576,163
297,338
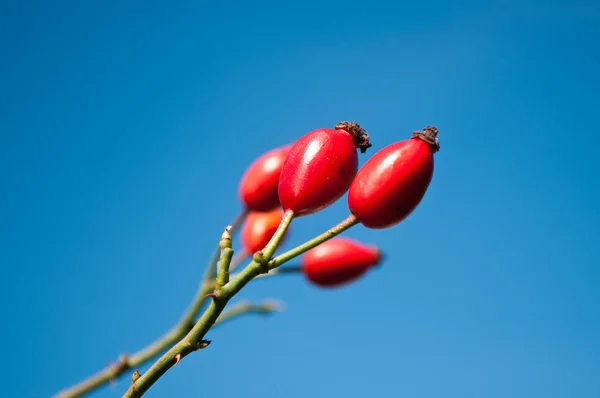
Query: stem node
x,y
215,295
262,261
136,375
259,258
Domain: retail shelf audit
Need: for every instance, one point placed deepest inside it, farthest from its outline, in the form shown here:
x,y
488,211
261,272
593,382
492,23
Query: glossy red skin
x,y
338,261
317,171
258,186
258,229
391,183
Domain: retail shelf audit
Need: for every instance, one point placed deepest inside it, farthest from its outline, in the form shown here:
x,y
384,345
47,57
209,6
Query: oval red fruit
x,y
392,182
319,168
258,229
258,186
339,261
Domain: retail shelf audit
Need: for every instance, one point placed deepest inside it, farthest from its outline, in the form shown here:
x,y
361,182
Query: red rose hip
x,y
319,168
258,229
339,261
258,186
393,181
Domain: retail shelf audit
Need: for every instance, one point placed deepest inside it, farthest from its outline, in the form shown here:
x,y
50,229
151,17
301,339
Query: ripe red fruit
x,y
258,229
393,181
319,168
339,261
258,186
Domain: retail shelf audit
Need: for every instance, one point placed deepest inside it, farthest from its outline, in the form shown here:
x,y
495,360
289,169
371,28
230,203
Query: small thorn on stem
x,y
177,359
203,344
216,295
135,376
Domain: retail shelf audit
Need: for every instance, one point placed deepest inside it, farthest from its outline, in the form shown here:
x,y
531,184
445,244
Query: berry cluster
x,y
314,172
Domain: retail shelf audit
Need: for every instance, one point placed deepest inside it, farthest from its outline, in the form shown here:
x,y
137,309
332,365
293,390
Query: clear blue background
x,y
125,127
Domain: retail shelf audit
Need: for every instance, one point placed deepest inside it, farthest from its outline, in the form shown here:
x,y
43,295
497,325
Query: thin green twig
x,y
225,261
177,332
260,264
245,307
350,221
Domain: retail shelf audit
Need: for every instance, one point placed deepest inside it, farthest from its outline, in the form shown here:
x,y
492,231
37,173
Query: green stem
x,y
325,236
177,332
287,270
211,267
206,287
192,341
225,261
277,237
266,307
126,363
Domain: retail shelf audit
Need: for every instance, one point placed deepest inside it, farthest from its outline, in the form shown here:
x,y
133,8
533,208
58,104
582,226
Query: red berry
x,y
258,229
393,181
339,261
258,186
319,168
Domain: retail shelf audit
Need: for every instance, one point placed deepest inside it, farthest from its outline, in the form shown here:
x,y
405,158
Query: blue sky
x,y
127,125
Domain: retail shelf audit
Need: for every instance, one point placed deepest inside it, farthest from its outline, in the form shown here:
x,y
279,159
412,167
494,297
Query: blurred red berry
x,y
258,186
258,229
339,261
319,168
392,182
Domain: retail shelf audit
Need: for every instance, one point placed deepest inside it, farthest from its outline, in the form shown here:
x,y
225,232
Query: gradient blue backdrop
x,y
125,127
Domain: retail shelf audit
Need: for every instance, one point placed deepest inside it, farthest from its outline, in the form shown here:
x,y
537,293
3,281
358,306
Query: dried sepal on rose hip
x,y
339,261
393,181
320,166
259,228
258,185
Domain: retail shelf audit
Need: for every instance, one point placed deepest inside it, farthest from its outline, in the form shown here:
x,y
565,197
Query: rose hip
x,y
339,261
392,182
319,168
258,229
258,186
